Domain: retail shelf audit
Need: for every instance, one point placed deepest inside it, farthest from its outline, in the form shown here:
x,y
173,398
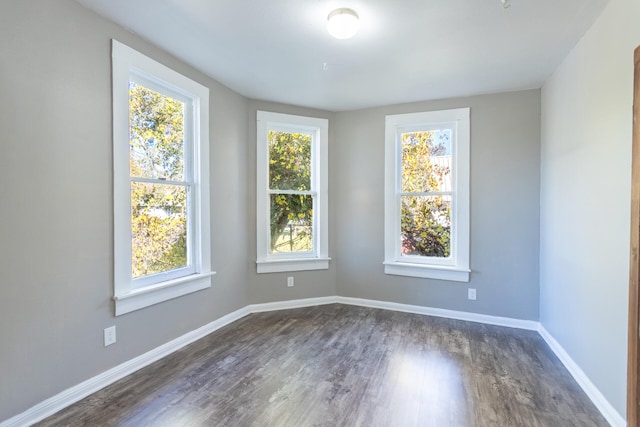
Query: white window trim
x,y
128,295
456,267
319,258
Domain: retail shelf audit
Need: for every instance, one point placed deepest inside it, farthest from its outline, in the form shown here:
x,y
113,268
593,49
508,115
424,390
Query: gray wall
x,y
505,138
585,199
56,236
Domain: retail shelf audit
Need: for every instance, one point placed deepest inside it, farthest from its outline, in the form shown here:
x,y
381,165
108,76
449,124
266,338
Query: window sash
x,y
422,259
314,225
192,254
190,117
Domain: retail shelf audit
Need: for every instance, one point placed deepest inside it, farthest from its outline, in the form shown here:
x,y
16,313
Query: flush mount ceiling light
x,y
342,23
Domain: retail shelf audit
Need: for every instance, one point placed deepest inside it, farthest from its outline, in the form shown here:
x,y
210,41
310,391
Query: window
x,y
161,182
427,195
292,208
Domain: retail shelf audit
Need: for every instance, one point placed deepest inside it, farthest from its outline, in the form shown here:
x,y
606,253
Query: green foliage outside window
x,y
291,214
425,219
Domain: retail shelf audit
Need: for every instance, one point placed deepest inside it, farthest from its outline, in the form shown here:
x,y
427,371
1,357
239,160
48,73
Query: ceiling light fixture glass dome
x,y
342,23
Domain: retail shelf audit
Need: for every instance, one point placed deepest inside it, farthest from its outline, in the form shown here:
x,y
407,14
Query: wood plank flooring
x,y
340,365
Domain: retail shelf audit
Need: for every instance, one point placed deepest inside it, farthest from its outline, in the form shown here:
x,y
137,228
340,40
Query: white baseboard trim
x,y
601,402
440,312
62,400
71,395
285,305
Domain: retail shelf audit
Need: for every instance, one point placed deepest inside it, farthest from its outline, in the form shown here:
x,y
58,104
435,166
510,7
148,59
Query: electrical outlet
x,y
471,293
109,335
290,281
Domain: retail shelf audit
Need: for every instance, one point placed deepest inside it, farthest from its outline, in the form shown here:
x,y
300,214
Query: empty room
x,y
319,212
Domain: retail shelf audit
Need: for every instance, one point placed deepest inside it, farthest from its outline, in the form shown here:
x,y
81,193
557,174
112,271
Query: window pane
x,y
156,134
426,161
289,161
158,228
291,223
426,226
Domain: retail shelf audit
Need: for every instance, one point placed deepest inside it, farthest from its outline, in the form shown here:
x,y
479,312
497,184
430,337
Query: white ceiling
x,y
406,50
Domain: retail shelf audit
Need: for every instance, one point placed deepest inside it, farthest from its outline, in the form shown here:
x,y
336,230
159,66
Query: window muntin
x,y
292,192
161,182
427,194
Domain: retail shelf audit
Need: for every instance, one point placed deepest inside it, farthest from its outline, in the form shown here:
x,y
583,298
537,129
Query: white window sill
x,y
150,295
299,264
454,274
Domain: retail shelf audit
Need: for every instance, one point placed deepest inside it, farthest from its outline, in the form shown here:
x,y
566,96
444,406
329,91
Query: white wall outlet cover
x,y
109,335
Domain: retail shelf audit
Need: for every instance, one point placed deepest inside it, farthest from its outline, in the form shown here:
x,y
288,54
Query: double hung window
x,y
161,182
427,194
292,193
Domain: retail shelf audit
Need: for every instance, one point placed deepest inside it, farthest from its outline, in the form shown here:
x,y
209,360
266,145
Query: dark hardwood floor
x,y
340,365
